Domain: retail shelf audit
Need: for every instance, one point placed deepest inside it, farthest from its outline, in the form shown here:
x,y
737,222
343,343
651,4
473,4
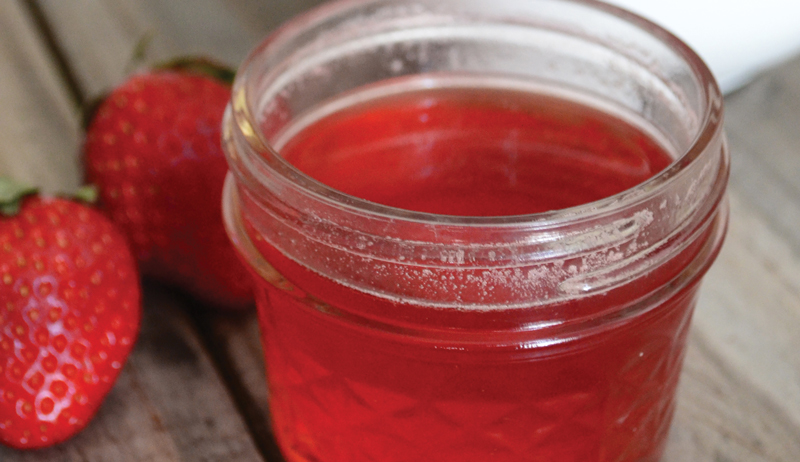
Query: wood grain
x,y
721,416
762,124
234,342
169,403
750,308
38,123
739,398
99,36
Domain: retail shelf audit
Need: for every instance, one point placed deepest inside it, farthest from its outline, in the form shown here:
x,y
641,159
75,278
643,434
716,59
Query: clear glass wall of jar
x,y
396,335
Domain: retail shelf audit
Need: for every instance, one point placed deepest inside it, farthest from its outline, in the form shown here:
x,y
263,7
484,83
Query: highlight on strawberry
x,y
152,147
70,312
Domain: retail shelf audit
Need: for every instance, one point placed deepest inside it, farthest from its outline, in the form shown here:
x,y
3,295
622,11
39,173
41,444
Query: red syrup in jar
x,y
476,152
464,385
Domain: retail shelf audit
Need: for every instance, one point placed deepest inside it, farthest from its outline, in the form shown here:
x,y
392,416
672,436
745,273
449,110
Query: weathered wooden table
x,y
194,390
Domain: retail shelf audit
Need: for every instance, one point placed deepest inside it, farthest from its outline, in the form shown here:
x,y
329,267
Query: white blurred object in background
x,y
737,38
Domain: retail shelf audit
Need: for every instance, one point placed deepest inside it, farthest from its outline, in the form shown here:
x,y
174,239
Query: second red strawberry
x,y
153,149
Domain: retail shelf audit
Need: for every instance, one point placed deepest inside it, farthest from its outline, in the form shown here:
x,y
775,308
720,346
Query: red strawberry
x,y
153,149
69,315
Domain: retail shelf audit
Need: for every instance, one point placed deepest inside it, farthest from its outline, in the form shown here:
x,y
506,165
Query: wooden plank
x,y
739,399
262,17
750,308
99,64
762,128
169,403
739,395
236,346
722,417
224,30
38,123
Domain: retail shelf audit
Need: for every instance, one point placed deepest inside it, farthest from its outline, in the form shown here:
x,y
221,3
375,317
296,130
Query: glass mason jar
x,y
397,335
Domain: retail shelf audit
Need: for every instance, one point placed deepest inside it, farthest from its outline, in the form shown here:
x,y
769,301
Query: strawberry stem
x,y
11,194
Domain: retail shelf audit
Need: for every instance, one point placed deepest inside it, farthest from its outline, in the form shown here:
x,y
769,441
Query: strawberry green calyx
x,y
87,194
11,195
199,65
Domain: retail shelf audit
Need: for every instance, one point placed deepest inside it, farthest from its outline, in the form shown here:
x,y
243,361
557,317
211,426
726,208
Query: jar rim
x,y
710,123
536,259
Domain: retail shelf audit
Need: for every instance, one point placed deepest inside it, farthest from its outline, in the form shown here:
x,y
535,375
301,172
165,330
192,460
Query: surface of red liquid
x,y
476,153
450,385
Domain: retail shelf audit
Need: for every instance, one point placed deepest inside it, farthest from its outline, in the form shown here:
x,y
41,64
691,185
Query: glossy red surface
x,y
479,153
469,385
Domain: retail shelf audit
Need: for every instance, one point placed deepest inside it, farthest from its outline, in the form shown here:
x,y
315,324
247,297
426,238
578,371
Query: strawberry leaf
x,y
87,194
11,194
199,65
